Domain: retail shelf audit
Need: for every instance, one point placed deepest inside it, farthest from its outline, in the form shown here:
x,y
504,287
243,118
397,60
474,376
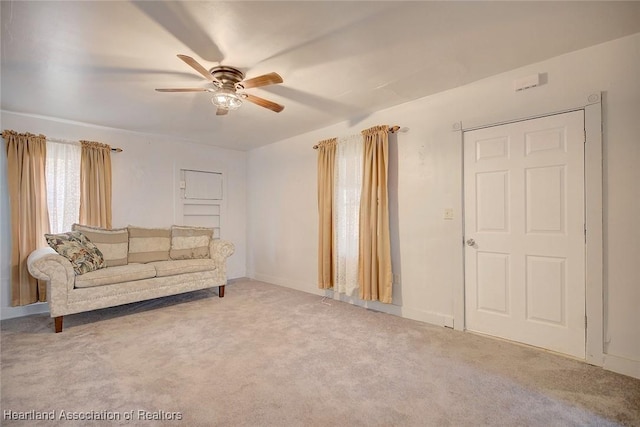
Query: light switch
x,y
448,213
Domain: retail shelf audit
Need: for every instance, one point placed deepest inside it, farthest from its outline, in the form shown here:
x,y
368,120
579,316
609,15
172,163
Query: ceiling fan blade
x,y
221,112
263,102
264,80
199,68
186,89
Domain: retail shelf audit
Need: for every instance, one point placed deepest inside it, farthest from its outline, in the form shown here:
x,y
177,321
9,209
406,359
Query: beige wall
x,y
427,250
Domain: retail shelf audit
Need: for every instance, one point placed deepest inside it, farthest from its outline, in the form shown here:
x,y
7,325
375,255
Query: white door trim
x,y
594,273
594,305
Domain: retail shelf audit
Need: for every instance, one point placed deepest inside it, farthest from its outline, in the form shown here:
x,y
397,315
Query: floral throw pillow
x,y
78,249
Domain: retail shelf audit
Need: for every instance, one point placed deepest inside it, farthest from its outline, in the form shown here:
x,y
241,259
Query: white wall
x,y
282,227
144,186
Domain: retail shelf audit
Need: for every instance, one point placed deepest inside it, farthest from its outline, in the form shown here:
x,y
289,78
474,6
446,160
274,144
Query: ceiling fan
x,y
227,81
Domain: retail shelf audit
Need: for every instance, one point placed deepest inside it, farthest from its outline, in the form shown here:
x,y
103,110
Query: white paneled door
x,y
525,232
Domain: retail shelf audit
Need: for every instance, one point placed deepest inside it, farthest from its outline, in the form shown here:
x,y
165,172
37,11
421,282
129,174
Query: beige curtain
x,y
326,166
95,184
26,159
374,265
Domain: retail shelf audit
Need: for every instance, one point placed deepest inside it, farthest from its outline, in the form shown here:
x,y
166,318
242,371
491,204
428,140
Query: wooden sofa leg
x,y
221,291
58,323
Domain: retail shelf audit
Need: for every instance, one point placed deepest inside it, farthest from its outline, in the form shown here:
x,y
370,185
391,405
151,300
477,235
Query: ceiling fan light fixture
x,y
226,99
225,82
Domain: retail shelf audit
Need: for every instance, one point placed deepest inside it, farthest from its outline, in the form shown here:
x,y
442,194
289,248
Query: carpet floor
x,y
265,355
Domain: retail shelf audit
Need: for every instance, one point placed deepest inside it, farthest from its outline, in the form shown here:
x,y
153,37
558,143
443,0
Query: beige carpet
x,y
269,356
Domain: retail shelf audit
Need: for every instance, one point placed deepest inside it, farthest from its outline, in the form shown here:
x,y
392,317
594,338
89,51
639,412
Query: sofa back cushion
x,y
113,243
190,242
149,244
83,255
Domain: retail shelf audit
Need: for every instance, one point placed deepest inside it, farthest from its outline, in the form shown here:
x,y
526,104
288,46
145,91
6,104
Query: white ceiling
x,y
99,62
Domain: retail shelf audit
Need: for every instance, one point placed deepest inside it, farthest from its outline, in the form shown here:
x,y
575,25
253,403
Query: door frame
x,y
593,184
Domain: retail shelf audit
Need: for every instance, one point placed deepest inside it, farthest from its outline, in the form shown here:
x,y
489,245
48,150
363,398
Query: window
x,y
347,190
63,185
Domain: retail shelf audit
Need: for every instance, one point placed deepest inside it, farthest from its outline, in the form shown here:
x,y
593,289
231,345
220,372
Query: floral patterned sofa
x,y
91,268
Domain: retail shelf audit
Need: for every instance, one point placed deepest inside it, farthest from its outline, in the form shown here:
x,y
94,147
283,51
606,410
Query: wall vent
x,y
526,82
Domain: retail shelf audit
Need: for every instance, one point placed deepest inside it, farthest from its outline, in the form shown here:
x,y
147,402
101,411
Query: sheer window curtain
x,y
63,185
26,181
347,190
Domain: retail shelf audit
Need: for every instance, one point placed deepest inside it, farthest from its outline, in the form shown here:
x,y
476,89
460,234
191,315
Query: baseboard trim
x,y
25,310
430,317
622,365
293,284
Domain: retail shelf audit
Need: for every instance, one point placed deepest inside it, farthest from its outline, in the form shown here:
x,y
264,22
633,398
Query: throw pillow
x,y
83,255
113,243
149,244
190,242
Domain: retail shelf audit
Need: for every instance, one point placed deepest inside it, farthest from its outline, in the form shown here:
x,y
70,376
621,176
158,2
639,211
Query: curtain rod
x,y
392,129
72,142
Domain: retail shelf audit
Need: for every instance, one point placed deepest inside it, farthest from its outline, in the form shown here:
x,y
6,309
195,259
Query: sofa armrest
x,y
220,250
46,264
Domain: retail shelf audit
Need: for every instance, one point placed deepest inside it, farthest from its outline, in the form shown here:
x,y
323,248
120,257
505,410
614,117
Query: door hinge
x,y
585,136
585,322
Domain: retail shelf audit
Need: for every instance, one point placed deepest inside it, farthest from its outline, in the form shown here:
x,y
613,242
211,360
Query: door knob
x,y
471,242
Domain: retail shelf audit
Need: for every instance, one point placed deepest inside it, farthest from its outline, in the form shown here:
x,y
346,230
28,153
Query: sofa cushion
x,y
118,274
113,243
83,255
149,244
171,268
190,242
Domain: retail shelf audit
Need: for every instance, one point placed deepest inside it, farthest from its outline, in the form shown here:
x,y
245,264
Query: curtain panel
x,y
374,273
26,178
326,244
95,184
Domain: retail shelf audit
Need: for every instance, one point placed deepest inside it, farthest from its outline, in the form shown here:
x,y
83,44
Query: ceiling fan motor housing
x,y
229,77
